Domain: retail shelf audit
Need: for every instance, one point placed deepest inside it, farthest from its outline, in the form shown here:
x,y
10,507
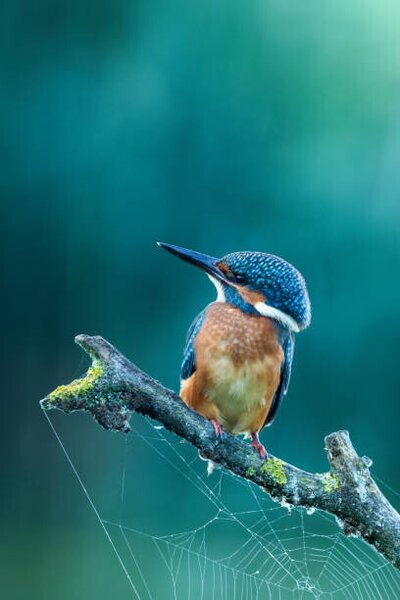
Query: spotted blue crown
x,y
281,283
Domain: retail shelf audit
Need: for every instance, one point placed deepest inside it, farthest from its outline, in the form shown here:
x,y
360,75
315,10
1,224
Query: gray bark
x,y
114,388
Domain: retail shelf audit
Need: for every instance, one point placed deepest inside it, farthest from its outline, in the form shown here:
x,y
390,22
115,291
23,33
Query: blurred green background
x,y
219,126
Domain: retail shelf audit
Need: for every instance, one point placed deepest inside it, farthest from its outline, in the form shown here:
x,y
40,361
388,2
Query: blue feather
x,y
189,360
286,369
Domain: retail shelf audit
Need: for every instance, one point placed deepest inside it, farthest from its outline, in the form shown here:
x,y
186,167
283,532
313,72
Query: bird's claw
x,y
217,428
258,446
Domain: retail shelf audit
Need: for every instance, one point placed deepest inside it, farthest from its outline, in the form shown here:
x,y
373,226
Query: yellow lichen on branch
x,y
275,469
78,386
330,482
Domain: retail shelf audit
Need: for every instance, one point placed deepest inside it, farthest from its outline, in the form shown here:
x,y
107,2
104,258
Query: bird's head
x,y
257,283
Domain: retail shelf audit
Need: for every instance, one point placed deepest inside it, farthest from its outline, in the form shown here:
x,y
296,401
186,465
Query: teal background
x,y
218,126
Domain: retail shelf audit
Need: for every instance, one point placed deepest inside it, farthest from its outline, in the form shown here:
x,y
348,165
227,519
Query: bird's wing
x,y
189,363
286,368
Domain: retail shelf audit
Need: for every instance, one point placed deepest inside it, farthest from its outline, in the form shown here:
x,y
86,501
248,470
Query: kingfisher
x,y
239,350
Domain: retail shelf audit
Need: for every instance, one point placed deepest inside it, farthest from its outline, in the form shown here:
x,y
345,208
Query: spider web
x,y
241,544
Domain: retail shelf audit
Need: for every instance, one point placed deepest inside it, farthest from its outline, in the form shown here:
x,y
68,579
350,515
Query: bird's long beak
x,y
202,261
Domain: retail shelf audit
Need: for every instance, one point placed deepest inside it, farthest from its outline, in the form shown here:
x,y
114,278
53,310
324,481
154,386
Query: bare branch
x,y
114,388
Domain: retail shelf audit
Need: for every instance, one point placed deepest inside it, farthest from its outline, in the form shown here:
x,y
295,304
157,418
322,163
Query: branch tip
x,y
96,346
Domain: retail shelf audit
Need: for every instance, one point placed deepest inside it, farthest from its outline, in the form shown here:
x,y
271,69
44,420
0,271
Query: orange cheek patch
x,y
250,296
224,268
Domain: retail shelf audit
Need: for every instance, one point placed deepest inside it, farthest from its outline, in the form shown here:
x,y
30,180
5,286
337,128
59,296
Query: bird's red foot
x,y
258,446
217,428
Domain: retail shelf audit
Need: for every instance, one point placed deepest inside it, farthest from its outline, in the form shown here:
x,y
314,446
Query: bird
x,y
238,355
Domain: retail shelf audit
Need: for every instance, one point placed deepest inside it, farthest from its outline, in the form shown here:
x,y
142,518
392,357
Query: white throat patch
x,y
220,288
274,313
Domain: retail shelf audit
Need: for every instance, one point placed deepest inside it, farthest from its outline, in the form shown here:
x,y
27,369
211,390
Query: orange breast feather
x,y
238,362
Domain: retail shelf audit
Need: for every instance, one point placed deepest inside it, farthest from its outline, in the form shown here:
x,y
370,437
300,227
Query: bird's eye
x,y
230,275
240,279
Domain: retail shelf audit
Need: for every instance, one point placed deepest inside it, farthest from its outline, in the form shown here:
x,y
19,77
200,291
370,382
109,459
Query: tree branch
x,y
114,388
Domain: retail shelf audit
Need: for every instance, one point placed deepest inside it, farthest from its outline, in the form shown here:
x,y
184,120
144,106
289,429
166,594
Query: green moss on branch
x,y
330,482
78,386
275,467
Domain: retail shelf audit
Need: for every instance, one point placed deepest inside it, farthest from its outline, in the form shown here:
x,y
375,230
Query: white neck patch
x,y
274,313
220,288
